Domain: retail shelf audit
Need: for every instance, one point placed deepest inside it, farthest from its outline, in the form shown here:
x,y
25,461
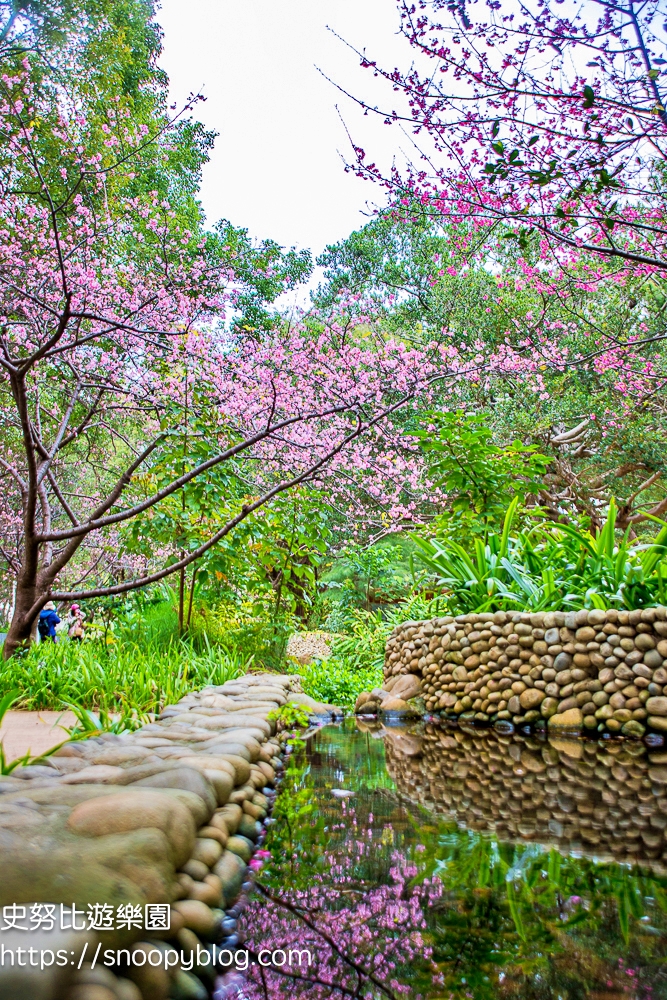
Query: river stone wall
x,y
606,799
169,814
603,670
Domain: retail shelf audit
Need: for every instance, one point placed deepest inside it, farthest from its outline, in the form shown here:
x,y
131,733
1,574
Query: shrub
x,y
559,567
115,678
244,625
337,682
357,653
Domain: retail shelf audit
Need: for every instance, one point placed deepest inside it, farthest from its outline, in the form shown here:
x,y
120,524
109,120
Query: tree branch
x,y
95,522
246,510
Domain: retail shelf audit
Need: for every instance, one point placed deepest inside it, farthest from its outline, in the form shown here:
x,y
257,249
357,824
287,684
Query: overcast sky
x,y
277,167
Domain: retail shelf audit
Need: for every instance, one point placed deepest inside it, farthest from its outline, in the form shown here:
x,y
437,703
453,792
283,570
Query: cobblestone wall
x,y
603,670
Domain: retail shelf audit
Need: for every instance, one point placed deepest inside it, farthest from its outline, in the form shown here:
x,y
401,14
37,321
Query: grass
x,y
143,666
124,676
357,653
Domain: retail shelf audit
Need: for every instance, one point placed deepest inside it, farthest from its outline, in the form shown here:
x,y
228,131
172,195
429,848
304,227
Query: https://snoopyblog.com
x,y
238,959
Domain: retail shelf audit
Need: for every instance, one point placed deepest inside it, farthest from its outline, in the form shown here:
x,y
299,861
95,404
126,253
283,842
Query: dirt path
x,y
36,732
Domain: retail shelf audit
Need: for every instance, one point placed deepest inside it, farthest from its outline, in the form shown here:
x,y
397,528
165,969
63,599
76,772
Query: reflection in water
x,y
606,800
467,864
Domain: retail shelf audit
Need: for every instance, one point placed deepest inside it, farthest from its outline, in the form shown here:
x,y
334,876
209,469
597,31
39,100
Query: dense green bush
x,y
368,575
241,626
246,626
357,652
337,682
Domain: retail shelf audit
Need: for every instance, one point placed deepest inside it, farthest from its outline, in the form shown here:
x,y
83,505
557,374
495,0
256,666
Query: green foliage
x,y
364,576
265,270
410,267
336,682
9,699
363,633
407,265
355,664
549,567
245,629
271,559
357,652
289,716
92,723
287,543
517,889
138,620
362,644
241,630
129,677
479,477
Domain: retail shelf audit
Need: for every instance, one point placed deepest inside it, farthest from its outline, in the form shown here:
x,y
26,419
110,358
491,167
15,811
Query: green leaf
x,y
507,524
514,911
7,701
623,914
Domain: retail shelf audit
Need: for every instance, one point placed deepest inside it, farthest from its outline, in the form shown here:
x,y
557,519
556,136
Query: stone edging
x,y
600,670
171,814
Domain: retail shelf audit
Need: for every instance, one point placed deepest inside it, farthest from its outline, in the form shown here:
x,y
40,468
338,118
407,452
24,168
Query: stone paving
x,y
140,842
33,733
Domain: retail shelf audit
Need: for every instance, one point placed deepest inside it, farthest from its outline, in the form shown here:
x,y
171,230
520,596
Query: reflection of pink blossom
x,y
349,927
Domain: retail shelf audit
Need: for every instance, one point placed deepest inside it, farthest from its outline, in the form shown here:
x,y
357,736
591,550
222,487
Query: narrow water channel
x,y
438,863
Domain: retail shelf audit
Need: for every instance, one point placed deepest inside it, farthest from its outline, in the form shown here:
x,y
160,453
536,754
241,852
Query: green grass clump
x,y
144,676
357,651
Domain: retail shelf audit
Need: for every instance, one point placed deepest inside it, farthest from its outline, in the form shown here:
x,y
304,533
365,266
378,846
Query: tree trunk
x,y
181,600
192,596
26,611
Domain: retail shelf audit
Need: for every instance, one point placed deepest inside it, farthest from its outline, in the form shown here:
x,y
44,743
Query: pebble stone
x,y
606,799
170,812
596,671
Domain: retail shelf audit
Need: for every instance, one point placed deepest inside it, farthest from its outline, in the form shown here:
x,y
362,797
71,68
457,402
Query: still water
x,y
442,863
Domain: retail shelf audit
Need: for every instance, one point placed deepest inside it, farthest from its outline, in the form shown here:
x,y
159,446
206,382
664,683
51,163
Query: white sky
x,y
276,168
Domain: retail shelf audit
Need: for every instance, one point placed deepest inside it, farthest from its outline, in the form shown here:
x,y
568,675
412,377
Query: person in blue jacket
x,y
48,619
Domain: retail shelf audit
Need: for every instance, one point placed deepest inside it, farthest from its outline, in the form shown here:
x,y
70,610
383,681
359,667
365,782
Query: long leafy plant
x,y
548,567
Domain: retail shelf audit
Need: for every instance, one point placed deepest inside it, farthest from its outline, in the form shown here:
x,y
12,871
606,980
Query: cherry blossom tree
x,y
543,127
547,118
122,383
361,934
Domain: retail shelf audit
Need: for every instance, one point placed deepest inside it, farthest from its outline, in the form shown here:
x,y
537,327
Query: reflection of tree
x,y
520,919
432,909
336,884
363,971
365,936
